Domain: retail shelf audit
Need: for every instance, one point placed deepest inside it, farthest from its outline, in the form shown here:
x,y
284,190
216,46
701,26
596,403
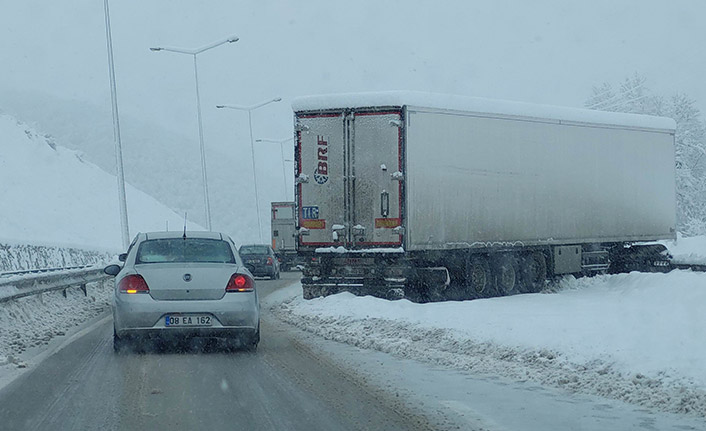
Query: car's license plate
x,y
252,260
187,320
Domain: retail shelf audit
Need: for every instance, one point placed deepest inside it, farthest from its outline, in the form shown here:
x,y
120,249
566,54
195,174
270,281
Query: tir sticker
x,y
310,213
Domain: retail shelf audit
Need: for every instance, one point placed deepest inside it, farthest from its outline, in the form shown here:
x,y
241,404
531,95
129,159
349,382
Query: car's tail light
x,y
133,284
240,283
269,261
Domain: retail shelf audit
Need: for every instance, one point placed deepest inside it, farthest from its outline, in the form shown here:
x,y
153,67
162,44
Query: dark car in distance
x,y
261,260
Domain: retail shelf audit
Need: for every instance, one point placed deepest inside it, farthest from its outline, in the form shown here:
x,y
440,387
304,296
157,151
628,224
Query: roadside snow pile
x,y
691,250
17,257
636,337
35,320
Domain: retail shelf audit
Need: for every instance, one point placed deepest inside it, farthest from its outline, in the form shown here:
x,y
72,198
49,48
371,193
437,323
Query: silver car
x,y
177,285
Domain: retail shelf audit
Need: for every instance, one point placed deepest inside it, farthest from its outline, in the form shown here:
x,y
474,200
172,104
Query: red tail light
x,y
240,283
269,261
133,284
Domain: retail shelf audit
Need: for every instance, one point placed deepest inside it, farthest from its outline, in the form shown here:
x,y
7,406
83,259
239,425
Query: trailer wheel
x,y
533,272
478,275
505,269
394,294
310,292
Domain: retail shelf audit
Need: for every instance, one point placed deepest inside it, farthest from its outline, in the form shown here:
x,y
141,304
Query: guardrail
x,y
27,283
40,270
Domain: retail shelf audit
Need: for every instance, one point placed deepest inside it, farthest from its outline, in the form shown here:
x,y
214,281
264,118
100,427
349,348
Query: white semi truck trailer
x,y
441,197
284,234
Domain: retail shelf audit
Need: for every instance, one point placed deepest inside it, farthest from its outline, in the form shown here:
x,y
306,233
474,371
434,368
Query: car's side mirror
x,y
122,257
112,270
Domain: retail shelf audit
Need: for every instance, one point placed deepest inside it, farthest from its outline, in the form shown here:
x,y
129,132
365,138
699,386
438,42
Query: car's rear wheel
x,y
244,342
120,345
254,341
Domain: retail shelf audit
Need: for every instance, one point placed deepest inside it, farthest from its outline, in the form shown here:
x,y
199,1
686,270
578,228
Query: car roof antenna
x,y
184,226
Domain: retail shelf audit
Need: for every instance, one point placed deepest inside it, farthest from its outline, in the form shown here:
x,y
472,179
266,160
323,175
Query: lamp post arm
x,y
177,50
229,39
250,107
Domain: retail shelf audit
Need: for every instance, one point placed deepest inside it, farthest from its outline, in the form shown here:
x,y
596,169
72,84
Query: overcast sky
x,y
545,51
541,51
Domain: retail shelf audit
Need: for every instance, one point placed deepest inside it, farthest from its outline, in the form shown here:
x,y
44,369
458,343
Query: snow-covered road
x,y
608,352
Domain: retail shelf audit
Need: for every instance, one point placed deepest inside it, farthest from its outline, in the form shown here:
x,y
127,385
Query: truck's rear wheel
x,y
505,270
533,271
478,276
310,292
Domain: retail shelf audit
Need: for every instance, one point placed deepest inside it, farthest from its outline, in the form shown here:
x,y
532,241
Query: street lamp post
x,y
281,148
120,173
252,150
194,53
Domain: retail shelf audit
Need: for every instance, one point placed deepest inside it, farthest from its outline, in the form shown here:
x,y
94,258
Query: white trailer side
x,y
475,178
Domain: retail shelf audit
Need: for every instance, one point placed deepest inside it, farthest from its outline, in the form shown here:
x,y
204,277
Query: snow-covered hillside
x,y
50,196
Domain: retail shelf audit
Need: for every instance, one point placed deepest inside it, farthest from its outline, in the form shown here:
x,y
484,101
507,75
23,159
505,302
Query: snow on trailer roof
x,y
417,99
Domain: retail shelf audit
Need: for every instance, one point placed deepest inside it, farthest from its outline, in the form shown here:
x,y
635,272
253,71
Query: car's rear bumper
x,y
261,270
179,334
234,314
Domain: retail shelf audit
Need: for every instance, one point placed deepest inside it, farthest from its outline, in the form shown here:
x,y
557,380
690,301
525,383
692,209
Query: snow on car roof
x,y
417,99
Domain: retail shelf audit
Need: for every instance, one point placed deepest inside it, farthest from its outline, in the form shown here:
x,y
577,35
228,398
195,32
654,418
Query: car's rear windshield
x,y
184,250
254,249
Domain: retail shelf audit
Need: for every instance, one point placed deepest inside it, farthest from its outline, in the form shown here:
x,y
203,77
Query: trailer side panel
x,y
475,180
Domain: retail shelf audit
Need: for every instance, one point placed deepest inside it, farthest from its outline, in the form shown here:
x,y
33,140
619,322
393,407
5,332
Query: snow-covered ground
x,y
635,337
691,250
34,321
50,196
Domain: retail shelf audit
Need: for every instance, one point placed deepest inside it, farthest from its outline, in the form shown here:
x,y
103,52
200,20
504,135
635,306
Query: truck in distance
x,y
284,234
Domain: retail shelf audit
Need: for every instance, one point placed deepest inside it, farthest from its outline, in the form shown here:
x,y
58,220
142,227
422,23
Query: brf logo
x,y
321,172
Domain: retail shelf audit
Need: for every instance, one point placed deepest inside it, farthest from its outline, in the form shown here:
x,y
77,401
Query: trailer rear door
x,y
376,170
350,178
320,177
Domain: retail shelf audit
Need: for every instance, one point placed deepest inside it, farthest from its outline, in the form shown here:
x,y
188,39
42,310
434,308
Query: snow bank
x,y
23,256
53,197
636,337
691,250
419,99
35,320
